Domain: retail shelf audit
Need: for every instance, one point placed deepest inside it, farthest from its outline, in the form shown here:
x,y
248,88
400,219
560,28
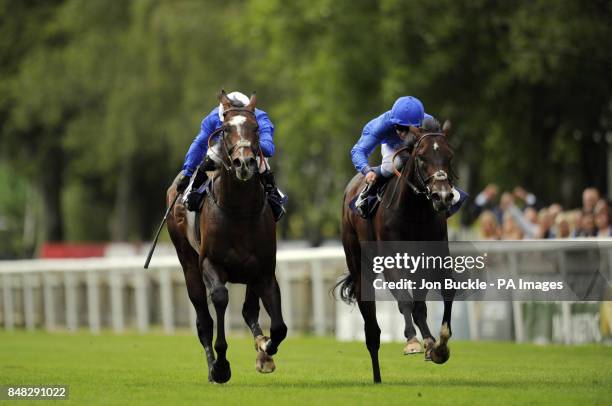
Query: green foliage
x,y
99,100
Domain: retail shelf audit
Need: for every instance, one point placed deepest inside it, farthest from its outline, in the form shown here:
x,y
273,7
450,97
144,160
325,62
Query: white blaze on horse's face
x,y
238,122
242,158
436,146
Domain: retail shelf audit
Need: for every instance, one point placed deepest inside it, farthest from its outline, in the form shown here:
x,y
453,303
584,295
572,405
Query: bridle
x,y
423,183
226,159
229,165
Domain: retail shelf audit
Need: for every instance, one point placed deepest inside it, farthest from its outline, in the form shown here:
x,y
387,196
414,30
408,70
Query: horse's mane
x,y
430,125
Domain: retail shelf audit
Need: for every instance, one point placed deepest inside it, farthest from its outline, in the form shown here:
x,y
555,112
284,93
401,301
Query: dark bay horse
x,y
238,245
413,208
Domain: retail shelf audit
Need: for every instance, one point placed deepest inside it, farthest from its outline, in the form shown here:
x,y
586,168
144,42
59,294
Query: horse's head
x,y
431,157
240,139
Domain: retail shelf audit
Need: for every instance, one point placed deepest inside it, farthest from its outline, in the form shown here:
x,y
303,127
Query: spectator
x,y
510,221
489,227
531,215
485,200
545,223
602,205
586,227
562,226
526,222
554,210
590,196
529,199
510,229
602,222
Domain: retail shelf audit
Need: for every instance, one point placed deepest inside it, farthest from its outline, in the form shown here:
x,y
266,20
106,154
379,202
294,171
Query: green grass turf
x,y
159,369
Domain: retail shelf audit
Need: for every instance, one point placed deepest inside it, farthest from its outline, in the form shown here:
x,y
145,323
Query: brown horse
x,y
238,245
413,209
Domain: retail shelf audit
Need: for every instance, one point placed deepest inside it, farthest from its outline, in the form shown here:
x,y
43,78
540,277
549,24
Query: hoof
x,y
221,371
441,352
429,346
413,346
264,363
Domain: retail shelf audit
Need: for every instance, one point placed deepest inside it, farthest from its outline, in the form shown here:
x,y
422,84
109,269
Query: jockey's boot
x,y
276,198
361,204
459,197
193,198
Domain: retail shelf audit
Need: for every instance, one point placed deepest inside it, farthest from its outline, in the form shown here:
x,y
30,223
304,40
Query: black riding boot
x,y
275,197
362,203
194,198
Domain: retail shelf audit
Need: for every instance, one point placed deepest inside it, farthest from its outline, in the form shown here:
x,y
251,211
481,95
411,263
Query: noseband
x,y
423,182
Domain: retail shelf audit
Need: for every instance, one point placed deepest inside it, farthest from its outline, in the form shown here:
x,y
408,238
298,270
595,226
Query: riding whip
x,y
146,265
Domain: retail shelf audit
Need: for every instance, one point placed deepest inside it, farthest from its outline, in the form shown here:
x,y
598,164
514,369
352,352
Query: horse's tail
x,y
441,353
346,288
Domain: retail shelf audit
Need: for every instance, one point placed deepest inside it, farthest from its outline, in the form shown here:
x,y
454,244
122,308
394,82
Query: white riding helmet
x,y
237,99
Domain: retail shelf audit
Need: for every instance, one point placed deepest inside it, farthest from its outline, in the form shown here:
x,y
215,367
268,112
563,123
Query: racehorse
x,y
237,244
412,209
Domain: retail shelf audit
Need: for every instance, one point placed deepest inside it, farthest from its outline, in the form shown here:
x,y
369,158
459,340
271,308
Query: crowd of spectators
x,y
518,215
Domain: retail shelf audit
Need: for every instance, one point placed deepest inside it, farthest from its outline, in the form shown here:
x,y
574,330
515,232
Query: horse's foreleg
x,y
441,351
250,311
413,346
271,298
419,314
221,371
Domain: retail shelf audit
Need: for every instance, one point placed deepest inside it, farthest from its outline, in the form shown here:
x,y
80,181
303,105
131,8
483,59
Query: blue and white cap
x,y
237,99
407,111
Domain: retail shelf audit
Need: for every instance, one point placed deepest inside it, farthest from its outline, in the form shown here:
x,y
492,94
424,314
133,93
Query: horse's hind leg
x,y
221,371
196,291
372,334
204,323
269,292
352,250
250,311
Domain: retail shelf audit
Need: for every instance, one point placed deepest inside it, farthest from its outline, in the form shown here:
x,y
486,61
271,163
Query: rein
x,y
234,212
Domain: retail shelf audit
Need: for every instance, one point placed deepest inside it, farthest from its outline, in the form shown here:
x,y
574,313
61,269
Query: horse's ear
x,y
446,128
224,100
252,102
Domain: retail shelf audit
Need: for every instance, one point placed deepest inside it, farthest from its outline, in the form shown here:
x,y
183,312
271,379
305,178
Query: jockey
x,y
199,149
390,129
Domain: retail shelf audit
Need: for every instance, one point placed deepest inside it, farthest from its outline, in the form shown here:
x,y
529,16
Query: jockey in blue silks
x,y
389,130
199,149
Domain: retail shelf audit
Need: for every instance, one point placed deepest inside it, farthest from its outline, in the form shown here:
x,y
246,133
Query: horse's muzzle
x,y
245,167
441,199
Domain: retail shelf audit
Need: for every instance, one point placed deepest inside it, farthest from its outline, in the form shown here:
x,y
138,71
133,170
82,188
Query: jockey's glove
x,y
182,183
